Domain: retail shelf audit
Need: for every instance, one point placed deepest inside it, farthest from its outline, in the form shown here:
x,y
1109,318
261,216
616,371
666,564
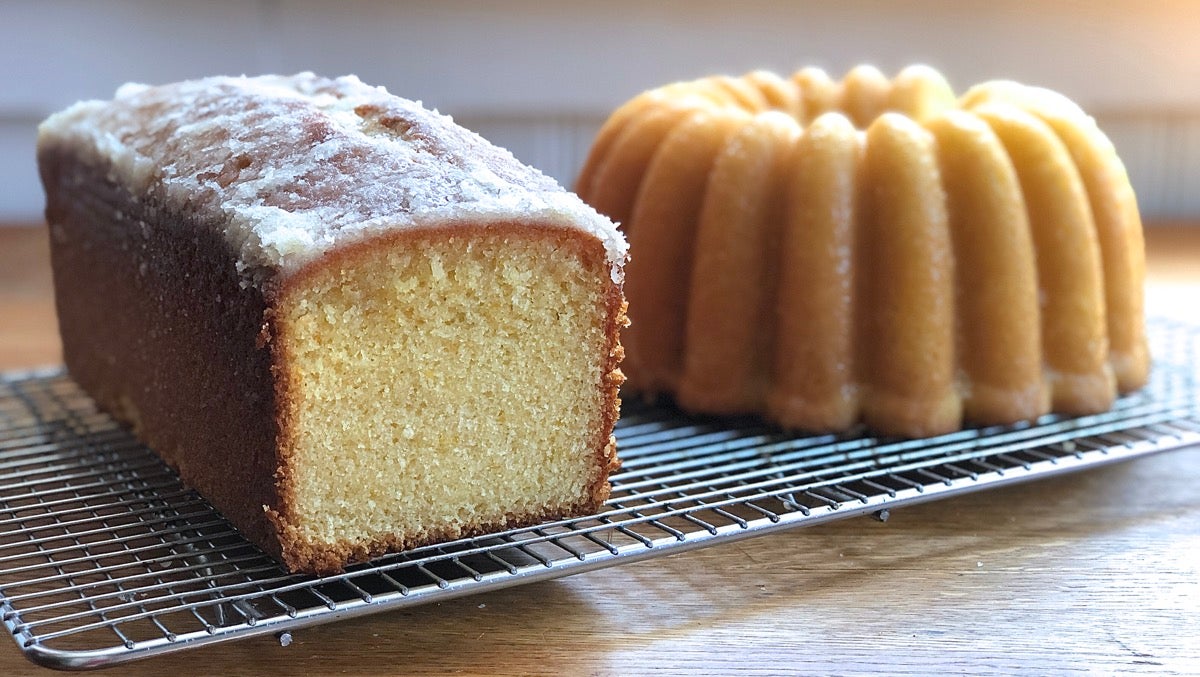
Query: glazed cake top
x,y
299,165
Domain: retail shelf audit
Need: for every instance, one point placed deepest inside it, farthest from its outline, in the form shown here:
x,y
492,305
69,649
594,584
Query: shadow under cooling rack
x,y
105,557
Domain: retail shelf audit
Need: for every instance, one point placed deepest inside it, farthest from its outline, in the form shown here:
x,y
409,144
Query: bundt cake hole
x,y
862,96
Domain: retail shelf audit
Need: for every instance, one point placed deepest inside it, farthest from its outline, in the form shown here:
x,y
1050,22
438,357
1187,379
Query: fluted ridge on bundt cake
x,y
871,249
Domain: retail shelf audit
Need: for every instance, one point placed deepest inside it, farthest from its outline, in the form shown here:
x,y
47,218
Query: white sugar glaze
x,y
296,166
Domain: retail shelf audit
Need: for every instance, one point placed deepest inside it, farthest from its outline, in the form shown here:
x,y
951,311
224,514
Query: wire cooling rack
x,y
105,557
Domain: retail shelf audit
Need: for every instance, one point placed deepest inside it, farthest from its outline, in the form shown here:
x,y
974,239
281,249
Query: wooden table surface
x,y
1097,571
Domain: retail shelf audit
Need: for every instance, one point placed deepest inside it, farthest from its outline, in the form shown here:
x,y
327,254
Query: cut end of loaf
x,y
441,384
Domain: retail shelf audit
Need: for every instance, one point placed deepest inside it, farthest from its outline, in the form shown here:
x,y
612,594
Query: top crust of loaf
x,y
292,167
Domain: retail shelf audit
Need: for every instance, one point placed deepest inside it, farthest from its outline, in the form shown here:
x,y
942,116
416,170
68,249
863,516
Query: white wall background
x,y
539,77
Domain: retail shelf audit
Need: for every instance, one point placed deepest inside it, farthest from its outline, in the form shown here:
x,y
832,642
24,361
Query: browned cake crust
x,y
203,373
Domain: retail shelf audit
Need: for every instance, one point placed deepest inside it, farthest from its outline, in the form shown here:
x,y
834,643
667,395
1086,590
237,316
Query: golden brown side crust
x,y
157,329
299,554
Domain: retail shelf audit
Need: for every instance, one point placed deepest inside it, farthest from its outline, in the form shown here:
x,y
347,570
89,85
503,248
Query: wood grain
x,y
1095,572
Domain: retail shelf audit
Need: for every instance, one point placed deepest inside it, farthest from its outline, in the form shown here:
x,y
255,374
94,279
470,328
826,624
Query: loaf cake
x,y
350,324
873,250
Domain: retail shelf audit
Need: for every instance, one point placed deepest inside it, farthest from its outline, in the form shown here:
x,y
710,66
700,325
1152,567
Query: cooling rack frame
x,y
106,558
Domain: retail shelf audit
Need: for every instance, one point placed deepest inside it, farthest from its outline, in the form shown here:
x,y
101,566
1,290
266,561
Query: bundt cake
x,y
352,325
881,251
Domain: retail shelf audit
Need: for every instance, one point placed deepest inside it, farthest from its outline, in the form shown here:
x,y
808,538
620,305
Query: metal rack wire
x,y
105,557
